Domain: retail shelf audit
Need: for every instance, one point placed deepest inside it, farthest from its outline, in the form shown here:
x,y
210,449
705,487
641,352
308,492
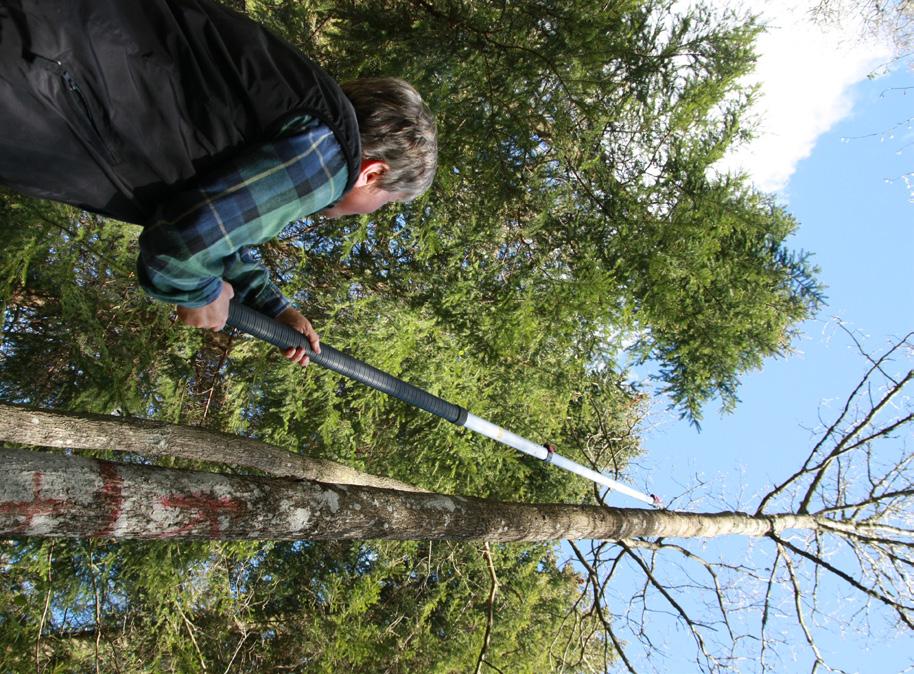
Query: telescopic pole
x,y
278,334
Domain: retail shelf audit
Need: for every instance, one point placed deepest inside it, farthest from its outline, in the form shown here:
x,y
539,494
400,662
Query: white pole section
x,y
505,437
281,335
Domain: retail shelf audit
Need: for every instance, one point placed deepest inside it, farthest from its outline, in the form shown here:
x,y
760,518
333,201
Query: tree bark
x,y
44,428
54,495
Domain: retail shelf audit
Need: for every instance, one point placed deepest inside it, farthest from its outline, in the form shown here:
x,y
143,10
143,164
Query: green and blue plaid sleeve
x,y
201,236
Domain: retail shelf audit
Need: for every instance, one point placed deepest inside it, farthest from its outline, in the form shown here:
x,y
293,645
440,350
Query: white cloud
x,y
805,73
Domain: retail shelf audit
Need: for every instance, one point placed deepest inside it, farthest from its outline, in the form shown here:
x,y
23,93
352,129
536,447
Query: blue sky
x,y
856,215
857,219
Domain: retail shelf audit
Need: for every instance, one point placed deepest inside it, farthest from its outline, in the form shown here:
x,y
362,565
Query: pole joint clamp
x,y
550,451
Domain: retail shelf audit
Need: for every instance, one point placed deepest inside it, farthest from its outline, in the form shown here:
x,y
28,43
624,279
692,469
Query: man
x,y
206,129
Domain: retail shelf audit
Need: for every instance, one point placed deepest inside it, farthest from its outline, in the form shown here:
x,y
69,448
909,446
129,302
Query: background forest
x,y
575,217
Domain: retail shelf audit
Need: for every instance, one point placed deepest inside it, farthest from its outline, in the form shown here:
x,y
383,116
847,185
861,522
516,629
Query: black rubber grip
x,y
279,334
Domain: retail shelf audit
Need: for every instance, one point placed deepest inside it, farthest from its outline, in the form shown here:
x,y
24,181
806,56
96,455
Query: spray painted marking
x,y
206,509
35,508
111,495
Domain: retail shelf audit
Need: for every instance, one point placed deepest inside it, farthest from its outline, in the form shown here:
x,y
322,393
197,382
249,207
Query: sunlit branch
x,y
807,466
692,625
844,445
899,608
708,567
867,356
593,581
766,610
490,611
801,619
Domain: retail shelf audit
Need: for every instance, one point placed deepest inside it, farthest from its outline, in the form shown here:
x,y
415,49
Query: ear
x,y
370,170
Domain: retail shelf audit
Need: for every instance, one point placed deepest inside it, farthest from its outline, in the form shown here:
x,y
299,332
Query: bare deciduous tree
x,y
752,601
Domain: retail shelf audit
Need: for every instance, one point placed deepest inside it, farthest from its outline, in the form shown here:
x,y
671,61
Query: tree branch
x,y
876,366
44,613
842,446
801,620
490,613
189,626
899,608
691,624
593,579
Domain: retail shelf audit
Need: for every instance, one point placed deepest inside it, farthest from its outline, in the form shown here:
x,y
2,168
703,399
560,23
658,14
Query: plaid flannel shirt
x,y
202,235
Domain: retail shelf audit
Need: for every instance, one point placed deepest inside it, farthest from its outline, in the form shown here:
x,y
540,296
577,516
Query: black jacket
x,y
112,104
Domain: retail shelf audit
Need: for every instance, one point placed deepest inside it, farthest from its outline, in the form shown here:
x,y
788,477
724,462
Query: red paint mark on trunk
x,y
111,496
28,510
204,509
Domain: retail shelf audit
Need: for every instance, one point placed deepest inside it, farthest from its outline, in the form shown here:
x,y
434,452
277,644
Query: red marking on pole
x,y
111,496
33,508
206,508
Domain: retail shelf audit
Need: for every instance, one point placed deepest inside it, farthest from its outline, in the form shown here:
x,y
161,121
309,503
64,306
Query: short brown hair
x,y
396,127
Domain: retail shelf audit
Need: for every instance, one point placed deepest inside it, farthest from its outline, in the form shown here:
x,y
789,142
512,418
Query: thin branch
x,y
692,625
899,608
709,568
886,529
190,631
841,447
244,637
593,579
490,614
878,499
876,366
850,333
875,435
767,605
98,612
216,377
44,613
874,541
798,608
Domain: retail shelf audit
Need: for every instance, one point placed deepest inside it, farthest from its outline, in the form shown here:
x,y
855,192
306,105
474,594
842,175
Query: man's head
x,y
399,145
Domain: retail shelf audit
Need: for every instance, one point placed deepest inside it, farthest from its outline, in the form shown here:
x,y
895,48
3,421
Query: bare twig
x,y
98,613
876,366
844,445
490,614
898,607
44,613
766,611
190,631
244,637
594,581
801,619
216,374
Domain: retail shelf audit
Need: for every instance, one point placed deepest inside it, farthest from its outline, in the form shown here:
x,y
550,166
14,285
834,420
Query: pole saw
x,y
278,334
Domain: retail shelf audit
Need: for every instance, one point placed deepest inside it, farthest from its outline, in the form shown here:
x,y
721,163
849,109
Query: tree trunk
x,y
44,428
54,495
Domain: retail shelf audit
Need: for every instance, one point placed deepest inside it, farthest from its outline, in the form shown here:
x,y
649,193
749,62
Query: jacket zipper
x,y
86,119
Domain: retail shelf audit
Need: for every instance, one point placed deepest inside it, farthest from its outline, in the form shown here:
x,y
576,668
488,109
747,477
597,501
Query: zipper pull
x,y
68,78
